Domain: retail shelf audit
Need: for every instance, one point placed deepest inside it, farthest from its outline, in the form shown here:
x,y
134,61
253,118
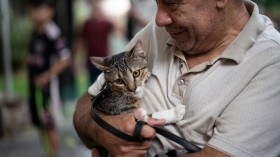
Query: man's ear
x,y
221,3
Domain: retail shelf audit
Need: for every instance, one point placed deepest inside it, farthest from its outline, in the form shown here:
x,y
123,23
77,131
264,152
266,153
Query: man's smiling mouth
x,y
175,33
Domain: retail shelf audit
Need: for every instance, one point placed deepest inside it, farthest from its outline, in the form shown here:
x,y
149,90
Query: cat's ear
x,y
99,63
138,50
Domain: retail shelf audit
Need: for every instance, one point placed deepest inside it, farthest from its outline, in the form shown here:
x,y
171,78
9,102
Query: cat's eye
x,y
136,73
119,81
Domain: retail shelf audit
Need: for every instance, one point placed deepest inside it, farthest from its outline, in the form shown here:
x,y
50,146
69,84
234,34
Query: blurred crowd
x,y
51,44
57,38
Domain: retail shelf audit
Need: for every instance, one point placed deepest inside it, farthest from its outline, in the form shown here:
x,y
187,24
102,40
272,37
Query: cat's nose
x,y
132,88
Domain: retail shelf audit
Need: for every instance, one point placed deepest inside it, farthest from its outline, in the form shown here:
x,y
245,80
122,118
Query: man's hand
x,y
89,130
126,123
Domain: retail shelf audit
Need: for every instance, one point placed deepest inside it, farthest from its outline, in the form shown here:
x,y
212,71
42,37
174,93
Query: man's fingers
x,y
148,132
143,145
136,149
95,152
156,122
126,123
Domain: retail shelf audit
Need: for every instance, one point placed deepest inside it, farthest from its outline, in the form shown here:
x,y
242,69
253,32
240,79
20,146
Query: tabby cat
x,y
125,76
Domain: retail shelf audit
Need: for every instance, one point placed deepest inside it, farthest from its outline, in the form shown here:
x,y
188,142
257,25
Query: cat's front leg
x,y
141,115
172,115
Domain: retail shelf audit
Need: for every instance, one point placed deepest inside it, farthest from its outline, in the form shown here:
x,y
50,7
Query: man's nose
x,y
162,17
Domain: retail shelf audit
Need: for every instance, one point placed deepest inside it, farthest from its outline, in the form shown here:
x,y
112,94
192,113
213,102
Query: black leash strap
x,y
186,144
137,132
137,137
115,131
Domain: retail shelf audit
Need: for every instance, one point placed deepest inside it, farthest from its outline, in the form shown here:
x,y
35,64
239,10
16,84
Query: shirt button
x,y
181,65
181,82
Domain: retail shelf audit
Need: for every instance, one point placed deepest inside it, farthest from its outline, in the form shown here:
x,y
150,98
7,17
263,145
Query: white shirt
x,y
232,102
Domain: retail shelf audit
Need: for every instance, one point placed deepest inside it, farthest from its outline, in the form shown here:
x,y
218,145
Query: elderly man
x,y
221,59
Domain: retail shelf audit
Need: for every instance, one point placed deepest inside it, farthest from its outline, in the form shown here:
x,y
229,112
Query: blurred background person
x,y
140,14
47,57
93,37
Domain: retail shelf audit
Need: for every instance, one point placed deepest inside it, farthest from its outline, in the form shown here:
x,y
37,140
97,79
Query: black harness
x,y
137,132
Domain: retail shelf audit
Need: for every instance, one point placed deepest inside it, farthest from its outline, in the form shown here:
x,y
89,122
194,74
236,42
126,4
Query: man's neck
x,y
235,24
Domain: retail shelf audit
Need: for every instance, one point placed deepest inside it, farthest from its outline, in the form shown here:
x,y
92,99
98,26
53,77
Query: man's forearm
x,y
82,119
207,152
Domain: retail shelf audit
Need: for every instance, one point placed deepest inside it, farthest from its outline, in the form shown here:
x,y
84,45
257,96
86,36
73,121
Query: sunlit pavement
x,y
27,142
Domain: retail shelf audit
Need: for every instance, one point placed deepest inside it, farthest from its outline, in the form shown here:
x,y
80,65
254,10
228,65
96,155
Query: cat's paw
x,y
141,115
179,112
172,115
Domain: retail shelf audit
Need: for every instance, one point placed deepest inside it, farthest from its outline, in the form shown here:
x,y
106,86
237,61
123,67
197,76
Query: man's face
x,y
192,23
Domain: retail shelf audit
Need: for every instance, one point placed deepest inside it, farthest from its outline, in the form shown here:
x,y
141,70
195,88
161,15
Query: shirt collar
x,y
248,36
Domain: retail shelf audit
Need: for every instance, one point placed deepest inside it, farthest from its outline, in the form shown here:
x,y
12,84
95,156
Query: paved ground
x,y
26,143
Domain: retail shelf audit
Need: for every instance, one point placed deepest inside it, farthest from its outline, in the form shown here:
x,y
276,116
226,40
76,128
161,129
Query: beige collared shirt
x,y
232,102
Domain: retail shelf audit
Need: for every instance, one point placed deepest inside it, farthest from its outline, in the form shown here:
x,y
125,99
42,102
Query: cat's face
x,y
126,72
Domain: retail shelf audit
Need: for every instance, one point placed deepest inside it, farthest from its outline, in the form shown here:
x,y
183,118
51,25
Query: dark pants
x,y
38,102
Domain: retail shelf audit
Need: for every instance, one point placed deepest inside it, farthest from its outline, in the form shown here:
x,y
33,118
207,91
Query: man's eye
x,y
170,3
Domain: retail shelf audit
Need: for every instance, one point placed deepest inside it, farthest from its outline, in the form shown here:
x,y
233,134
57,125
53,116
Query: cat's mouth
x,y
138,93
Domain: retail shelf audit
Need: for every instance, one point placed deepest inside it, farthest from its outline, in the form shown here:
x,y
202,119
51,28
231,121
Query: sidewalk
x,y
27,143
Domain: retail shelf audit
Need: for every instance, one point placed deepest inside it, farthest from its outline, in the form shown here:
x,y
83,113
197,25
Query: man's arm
x,y
82,120
92,134
207,152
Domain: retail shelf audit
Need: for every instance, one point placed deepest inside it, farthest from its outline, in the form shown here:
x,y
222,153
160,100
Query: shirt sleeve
x,y
59,44
61,48
95,88
250,125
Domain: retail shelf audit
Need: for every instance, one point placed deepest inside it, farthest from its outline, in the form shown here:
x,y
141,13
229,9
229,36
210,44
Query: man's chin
x,y
184,46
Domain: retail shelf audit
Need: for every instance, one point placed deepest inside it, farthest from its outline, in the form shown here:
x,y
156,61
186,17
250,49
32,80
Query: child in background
x,y
48,56
94,37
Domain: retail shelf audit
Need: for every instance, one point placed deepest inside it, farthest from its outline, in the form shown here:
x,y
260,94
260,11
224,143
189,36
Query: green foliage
x,y
20,84
20,30
269,3
272,6
20,34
